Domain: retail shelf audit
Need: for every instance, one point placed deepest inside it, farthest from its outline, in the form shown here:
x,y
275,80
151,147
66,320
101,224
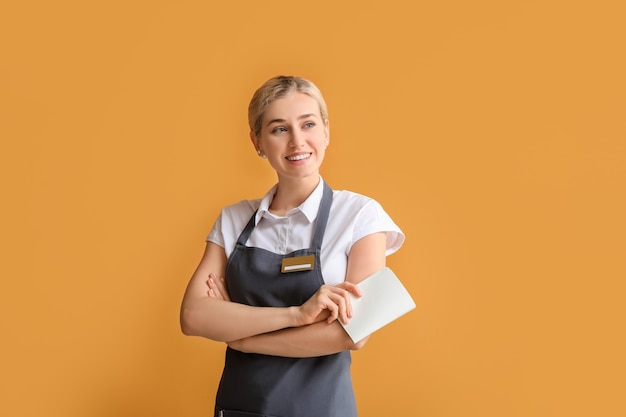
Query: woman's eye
x,y
309,125
279,129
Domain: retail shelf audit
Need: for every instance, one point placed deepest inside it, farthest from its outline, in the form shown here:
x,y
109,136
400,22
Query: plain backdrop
x,y
493,132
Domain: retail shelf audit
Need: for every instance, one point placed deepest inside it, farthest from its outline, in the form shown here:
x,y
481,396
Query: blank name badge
x,y
298,263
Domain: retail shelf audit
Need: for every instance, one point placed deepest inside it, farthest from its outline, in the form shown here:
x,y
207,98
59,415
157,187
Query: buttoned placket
x,y
281,245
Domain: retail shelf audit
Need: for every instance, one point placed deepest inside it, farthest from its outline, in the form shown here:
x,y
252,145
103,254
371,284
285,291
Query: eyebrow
x,y
304,116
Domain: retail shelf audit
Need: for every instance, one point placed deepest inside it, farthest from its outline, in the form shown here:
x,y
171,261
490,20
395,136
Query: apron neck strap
x,y
322,217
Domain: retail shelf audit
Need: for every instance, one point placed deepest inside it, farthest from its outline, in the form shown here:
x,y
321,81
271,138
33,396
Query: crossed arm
x,y
299,331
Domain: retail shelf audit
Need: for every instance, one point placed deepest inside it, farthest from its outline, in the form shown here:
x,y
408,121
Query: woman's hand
x,y
217,287
330,302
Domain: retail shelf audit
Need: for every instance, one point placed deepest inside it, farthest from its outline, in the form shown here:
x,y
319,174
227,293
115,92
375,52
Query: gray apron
x,y
274,386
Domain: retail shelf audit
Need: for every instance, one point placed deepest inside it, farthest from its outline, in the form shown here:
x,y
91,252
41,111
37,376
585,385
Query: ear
x,y
327,132
254,140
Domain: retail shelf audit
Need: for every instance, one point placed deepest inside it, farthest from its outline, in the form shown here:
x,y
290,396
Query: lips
x,y
298,157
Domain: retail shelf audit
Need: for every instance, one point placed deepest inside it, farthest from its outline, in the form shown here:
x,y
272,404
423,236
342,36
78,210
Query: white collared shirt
x,y
352,217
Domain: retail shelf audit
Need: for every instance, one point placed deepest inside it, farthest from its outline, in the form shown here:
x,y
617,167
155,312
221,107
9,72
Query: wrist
x,y
295,318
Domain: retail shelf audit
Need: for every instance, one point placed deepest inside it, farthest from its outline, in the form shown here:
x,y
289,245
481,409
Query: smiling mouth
x,y
298,157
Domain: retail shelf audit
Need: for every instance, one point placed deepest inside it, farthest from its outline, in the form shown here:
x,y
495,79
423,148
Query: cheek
x,y
321,153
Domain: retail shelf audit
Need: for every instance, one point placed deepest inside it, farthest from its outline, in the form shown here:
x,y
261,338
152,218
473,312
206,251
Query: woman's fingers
x,y
217,288
214,291
350,287
346,307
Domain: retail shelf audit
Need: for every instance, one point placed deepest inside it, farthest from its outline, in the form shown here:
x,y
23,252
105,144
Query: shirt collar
x,y
309,207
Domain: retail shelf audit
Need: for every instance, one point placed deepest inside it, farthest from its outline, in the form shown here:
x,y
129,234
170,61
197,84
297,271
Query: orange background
x,y
492,132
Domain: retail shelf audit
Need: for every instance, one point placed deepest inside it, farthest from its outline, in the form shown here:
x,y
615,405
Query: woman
x,y
277,272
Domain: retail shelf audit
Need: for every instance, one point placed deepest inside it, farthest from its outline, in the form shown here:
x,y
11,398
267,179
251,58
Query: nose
x,y
297,139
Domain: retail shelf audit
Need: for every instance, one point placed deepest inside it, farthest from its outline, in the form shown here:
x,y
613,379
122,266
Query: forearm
x,y
307,341
227,321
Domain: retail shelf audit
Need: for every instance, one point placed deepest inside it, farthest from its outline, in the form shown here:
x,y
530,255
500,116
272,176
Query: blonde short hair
x,y
279,87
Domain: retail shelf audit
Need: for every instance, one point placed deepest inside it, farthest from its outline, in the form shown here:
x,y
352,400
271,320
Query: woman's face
x,y
293,136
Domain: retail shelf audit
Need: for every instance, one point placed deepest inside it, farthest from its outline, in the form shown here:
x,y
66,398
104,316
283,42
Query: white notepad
x,y
383,300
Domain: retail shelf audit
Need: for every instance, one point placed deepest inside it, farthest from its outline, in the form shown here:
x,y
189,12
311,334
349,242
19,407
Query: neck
x,y
292,192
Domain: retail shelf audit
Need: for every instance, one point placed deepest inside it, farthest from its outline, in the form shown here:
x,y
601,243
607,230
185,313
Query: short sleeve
x,y
372,218
229,224
216,234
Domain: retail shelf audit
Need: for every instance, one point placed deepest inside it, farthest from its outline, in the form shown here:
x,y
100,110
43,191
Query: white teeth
x,y
298,157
